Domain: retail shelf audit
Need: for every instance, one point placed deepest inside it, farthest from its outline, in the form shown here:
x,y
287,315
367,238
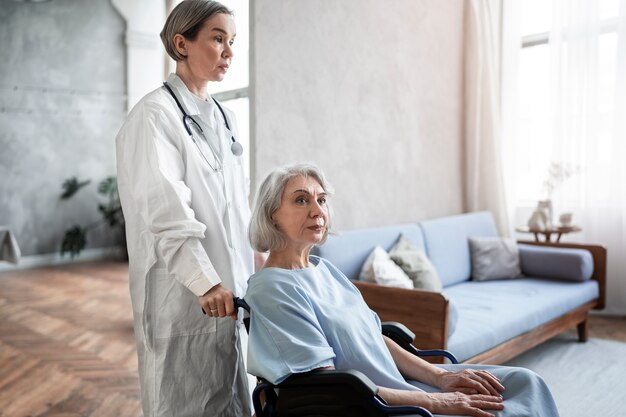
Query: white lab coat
x,y
186,227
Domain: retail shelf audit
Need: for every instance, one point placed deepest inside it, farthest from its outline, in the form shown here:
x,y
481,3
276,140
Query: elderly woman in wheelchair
x,y
306,315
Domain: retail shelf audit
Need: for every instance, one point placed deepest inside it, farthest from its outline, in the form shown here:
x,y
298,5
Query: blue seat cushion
x,y
492,312
349,250
447,243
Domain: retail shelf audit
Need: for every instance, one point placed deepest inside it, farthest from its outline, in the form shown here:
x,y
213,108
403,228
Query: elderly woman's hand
x,y
470,381
456,403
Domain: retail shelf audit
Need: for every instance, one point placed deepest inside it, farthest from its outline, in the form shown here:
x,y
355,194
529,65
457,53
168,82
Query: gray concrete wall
x,y
371,91
62,100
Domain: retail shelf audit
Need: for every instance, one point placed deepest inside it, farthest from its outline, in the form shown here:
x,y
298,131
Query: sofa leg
x,y
583,331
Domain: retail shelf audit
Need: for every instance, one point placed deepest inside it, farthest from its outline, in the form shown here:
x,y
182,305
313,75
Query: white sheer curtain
x,y
585,110
484,182
589,70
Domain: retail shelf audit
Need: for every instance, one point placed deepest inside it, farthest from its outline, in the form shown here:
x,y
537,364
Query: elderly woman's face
x,y
210,54
303,214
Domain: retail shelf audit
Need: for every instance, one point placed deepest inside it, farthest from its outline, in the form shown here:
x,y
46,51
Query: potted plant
x,y
75,238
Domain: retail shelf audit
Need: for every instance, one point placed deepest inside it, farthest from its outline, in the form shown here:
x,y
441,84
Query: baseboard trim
x,y
48,259
610,311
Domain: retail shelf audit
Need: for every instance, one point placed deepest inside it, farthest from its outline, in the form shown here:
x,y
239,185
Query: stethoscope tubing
x,y
235,146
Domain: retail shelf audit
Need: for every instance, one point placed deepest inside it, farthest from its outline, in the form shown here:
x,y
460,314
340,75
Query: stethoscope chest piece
x,y
236,148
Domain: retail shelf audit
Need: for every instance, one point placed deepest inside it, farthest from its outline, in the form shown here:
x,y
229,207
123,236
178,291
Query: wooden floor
x,y
66,342
67,347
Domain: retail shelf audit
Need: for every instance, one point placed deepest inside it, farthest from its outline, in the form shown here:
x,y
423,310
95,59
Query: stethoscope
x,y
235,147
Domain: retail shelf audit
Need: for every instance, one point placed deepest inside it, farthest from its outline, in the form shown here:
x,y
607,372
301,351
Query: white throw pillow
x,y
453,317
494,258
379,268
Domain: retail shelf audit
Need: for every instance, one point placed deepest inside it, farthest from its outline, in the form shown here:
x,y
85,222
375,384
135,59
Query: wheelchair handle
x,y
241,303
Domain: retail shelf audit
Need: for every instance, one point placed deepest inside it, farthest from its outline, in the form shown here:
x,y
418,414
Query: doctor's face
x,y
303,214
210,54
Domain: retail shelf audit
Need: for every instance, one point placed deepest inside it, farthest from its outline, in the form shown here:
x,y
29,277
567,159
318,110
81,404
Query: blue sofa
x,y
495,320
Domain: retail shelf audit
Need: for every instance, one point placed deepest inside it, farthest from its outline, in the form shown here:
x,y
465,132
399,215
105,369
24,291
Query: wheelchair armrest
x,y
438,352
400,334
351,386
352,378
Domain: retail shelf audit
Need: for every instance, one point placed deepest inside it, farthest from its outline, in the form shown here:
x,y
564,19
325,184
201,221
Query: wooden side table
x,y
548,233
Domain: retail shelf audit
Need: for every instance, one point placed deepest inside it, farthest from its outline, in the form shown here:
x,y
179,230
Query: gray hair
x,y
263,234
187,19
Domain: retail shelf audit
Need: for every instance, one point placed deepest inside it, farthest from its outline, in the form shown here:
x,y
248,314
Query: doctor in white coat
x,y
184,197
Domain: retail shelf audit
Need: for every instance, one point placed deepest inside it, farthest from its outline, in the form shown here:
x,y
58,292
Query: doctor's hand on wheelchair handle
x,y
218,302
237,304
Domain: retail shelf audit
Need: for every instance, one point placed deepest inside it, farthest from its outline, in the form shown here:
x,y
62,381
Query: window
x,y
233,90
540,114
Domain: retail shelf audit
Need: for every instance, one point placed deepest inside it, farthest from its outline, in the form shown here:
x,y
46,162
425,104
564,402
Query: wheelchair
x,y
332,393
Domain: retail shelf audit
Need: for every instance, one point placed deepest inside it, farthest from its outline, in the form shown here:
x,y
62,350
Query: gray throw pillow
x,y
494,258
415,264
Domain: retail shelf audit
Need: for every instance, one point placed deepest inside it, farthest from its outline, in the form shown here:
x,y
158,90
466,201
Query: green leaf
x,y
71,186
108,186
112,214
74,241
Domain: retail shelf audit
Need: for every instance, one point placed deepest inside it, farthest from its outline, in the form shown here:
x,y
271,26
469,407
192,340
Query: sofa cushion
x,y
447,244
349,250
379,268
558,263
492,312
494,258
415,264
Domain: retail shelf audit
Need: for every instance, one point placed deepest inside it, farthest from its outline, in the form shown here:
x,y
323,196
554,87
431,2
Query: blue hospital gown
x,y
303,319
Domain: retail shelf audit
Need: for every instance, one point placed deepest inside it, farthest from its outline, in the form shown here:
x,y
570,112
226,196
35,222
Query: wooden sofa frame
x,y
426,313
